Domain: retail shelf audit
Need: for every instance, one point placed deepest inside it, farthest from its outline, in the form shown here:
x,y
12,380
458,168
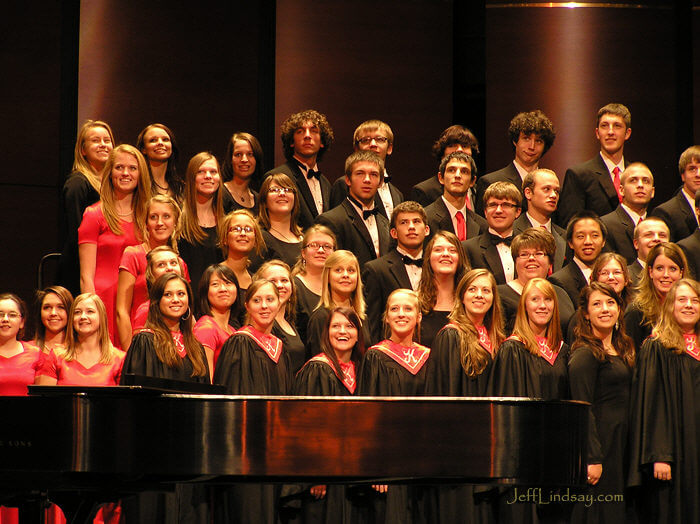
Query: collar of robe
x,y
270,344
348,370
482,334
545,351
178,340
411,358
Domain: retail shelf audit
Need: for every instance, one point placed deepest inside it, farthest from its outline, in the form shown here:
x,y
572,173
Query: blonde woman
x,y
241,242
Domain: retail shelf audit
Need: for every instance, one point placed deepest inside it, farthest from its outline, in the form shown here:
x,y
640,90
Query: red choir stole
x,y
545,351
270,344
411,358
482,333
178,340
691,345
348,370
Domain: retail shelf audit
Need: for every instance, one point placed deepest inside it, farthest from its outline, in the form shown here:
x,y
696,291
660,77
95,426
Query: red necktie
x,y
461,226
616,182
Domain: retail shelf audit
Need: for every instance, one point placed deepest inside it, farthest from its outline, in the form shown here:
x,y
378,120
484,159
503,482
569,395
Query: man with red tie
x,y
595,185
491,250
450,212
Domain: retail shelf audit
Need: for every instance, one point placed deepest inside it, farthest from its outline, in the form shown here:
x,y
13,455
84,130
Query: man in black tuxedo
x,y
647,234
691,244
541,190
679,211
377,136
400,268
532,134
306,136
450,211
637,188
356,222
454,138
585,235
592,184
491,250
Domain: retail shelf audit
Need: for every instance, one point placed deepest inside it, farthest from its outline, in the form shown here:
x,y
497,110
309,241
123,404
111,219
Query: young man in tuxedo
x,y
377,136
679,211
454,138
306,136
532,135
594,184
450,212
356,222
400,268
541,190
491,250
585,235
637,188
691,244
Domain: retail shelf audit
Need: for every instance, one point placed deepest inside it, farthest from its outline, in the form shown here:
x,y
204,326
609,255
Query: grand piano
x,y
63,441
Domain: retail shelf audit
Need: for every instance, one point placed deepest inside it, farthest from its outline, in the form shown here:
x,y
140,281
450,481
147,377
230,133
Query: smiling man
x,y
595,184
585,235
356,221
306,136
637,188
531,134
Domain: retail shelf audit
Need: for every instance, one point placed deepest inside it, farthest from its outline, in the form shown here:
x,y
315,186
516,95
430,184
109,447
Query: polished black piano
x,y
130,438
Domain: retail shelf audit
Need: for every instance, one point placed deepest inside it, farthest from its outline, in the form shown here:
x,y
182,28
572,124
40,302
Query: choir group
x,y
284,283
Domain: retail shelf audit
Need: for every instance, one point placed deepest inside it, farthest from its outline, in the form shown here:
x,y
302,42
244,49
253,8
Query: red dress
x,y
18,371
73,373
134,261
95,230
210,335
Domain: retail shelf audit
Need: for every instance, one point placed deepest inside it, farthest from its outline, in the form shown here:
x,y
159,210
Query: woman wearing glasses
x,y
277,215
239,238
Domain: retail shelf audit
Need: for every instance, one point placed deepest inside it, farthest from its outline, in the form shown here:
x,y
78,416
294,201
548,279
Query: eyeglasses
x,y
607,273
318,245
240,229
527,254
504,205
12,315
365,140
280,190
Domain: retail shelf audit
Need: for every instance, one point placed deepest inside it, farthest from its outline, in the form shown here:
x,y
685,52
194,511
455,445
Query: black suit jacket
x,y
587,186
678,215
620,237
351,232
560,255
571,280
507,174
483,254
339,192
691,246
307,206
439,220
427,191
379,278
635,271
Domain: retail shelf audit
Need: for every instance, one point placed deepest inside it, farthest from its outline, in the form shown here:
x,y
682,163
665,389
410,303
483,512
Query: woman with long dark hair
x,y
600,372
157,143
242,172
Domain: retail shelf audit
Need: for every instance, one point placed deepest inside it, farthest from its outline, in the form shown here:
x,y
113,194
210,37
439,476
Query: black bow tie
x,y
387,179
366,213
495,239
418,262
313,174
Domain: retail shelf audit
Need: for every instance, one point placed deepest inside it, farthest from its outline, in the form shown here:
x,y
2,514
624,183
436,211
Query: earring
x,y
303,263
186,316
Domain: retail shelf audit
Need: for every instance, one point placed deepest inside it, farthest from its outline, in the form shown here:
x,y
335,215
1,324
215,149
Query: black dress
x,y
293,346
307,301
606,385
231,204
285,251
189,503
389,369
665,427
446,377
314,331
430,325
318,378
77,195
251,363
636,326
199,257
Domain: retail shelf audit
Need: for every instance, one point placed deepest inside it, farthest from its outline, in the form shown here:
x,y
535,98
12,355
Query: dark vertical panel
x,y
683,39
575,62
357,59
192,66
30,44
266,80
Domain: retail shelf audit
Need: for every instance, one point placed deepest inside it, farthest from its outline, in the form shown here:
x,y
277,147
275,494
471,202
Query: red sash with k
x,y
691,345
348,378
270,344
411,358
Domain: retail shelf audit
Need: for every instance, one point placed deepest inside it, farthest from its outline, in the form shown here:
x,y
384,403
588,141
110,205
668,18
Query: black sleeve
x,y
314,331
583,376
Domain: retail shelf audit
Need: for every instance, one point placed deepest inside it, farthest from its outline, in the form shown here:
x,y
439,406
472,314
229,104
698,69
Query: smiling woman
x,y
157,143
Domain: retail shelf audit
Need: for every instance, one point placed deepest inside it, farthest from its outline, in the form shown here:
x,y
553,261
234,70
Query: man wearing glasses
x,y
491,250
373,135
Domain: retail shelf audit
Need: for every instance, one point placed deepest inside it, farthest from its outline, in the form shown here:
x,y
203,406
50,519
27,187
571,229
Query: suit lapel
x,y
445,221
605,180
383,230
398,269
626,223
491,257
303,187
688,212
325,192
359,225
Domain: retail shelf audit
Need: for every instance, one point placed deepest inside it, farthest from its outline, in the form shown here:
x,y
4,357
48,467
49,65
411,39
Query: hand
x,y
662,470
380,488
318,491
594,473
